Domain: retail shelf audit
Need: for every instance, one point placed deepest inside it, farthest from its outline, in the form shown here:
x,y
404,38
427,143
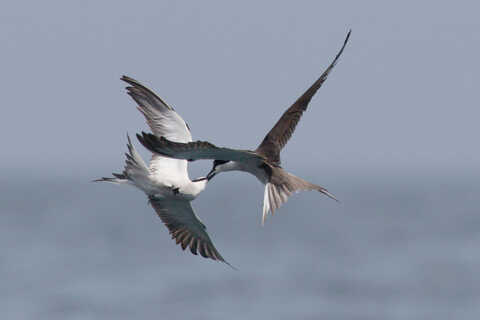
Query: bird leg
x,y
176,190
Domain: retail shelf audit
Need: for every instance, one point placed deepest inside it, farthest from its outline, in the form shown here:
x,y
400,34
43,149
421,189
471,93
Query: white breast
x,y
254,168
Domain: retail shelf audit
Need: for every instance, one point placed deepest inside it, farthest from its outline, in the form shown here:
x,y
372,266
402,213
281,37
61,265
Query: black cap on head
x,y
218,162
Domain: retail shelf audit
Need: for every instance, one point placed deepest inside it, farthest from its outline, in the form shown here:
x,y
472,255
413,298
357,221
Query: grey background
x,y
393,133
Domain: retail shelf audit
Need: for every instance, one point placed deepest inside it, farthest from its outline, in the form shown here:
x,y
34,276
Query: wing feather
x,y
185,227
161,118
193,150
281,132
163,121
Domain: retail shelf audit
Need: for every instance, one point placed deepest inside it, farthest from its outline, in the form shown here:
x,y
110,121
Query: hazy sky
x,y
401,97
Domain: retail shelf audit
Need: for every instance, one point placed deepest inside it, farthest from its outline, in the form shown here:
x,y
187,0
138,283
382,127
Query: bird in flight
x,y
165,181
263,162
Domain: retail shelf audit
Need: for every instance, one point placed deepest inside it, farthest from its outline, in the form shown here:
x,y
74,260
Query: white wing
x,y
161,118
185,227
163,121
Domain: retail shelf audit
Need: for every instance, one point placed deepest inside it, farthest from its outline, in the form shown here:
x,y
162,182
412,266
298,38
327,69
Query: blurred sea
x,y
398,246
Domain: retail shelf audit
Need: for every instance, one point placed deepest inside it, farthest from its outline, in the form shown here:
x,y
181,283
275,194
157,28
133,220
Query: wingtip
x,y
127,79
149,141
141,137
341,50
133,84
348,35
346,39
231,266
331,196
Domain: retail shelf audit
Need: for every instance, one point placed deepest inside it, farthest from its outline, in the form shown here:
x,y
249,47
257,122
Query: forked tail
x,y
277,194
135,168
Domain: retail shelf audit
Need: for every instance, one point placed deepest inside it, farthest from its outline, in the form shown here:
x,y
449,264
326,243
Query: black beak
x,y
211,174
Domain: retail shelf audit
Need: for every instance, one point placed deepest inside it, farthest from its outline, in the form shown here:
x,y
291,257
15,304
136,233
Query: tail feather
x,y
119,179
135,168
119,176
277,194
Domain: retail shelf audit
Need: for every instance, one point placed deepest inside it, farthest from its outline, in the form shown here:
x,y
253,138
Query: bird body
x,y
165,180
252,166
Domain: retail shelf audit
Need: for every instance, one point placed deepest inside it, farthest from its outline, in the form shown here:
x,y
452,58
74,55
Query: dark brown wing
x,y
276,139
185,227
193,150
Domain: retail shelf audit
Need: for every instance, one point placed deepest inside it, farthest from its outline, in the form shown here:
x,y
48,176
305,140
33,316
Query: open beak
x,y
211,174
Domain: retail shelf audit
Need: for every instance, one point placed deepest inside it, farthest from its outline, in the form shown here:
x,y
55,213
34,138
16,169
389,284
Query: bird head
x,y
219,166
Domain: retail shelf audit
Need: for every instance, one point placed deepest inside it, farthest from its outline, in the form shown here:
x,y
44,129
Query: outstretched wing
x,y
193,150
161,118
163,121
276,139
185,227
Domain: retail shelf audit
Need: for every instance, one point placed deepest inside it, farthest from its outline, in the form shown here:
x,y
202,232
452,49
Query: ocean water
x,y
397,247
